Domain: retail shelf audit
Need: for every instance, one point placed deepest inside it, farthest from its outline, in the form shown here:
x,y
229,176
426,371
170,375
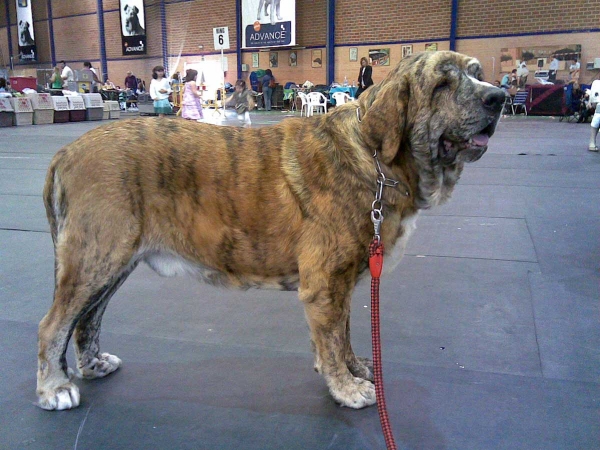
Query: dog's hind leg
x,y
90,362
87,273
327,307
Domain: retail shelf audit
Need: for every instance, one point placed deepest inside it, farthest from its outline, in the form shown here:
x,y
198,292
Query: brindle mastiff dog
x,y
285,207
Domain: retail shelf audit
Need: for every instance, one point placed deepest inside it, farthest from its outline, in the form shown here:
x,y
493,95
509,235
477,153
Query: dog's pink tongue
x,y
480,139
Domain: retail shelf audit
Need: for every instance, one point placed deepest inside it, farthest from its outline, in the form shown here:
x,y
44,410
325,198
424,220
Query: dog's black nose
x,y
494,99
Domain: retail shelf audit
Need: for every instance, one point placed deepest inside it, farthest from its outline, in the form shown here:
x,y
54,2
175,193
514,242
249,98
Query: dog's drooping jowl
x,y
297,213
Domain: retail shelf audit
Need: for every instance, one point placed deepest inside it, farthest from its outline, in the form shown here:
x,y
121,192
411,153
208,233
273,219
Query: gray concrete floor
x,y
489,325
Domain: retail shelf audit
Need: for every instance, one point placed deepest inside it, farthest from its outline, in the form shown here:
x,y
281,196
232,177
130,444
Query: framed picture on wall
x,y
406,50
23,3
273,59
293,58
317,59
431,47
353,54
254,59
380,56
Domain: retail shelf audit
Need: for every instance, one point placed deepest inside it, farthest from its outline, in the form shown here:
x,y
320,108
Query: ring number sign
x,y
221,36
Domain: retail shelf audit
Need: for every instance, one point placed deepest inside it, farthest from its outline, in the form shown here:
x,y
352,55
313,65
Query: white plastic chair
x,y
304,99
341,98
316,101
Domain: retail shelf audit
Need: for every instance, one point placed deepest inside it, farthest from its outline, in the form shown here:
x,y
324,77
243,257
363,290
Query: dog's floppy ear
x,y
384,115
125,8
136,10
20,22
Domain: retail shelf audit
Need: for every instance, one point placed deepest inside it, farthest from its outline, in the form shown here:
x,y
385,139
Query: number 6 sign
x,y
221,36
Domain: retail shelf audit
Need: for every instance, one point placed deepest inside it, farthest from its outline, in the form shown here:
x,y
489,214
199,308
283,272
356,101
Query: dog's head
x,y
131,11
435,106
23,26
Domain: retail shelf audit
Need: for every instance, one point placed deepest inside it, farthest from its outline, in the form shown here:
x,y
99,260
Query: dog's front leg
x,y
278,3
327,307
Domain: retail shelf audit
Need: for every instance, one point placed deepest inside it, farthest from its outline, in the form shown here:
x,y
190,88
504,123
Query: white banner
x,y
133,27
27,48
268,23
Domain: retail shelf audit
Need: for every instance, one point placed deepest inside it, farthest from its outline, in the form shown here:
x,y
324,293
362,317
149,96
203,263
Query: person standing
x,y
553,69
268,85
56,81
191,105
365,76
130,89
67,74
159,91
95,84
522,73
242,101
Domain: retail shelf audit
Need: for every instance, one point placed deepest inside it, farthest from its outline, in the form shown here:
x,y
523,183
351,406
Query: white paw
x,y
100,367
356,393
64,397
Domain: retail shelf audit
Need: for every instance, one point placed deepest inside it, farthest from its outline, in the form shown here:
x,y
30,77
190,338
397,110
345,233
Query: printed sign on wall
x,y
27,48
268,23
133,27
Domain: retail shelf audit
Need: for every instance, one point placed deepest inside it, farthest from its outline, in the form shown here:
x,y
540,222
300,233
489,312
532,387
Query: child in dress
x,y
242,101
191,105
159,91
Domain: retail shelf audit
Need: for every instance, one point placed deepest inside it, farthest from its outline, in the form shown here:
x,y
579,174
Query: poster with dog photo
x,y
27,47
268,23
133,27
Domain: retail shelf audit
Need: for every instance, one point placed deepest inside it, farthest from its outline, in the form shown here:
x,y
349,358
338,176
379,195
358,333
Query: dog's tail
x,y
54,197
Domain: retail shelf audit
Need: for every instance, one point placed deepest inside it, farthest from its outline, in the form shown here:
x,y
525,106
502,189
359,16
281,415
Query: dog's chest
x,y
395,252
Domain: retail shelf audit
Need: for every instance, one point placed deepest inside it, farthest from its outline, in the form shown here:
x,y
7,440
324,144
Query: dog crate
x,y
61,109
94,108
43,108
7,113
114,109
23,111
76,108
105,111
20,83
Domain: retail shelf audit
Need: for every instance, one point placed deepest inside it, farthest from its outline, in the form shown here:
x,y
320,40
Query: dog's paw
x,y
100,367
361,368
62,397
354,393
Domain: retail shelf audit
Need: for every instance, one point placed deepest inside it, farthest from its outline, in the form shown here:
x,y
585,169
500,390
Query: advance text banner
x,y
268,23
133,27
27,47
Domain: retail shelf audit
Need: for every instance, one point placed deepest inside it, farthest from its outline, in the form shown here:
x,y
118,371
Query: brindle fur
x,y
285,207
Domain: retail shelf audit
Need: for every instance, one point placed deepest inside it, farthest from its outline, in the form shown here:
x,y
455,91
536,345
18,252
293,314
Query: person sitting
x,y
505,82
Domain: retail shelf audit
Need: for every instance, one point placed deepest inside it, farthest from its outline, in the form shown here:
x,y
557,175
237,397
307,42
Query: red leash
x,y
375,265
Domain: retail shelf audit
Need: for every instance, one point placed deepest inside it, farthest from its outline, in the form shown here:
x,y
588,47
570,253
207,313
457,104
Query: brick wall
x,y
534,16
387,20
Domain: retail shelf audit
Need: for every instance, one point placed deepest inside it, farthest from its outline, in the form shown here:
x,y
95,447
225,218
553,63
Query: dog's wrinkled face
x,y
131,11
465,111
433,108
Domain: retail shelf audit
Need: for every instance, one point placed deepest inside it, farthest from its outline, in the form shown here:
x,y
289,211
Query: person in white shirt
x,y
160,88
553,69
96,84
522,73
574,70
67,74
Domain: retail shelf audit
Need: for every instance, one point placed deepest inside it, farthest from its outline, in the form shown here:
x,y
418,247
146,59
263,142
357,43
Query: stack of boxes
x,y
43,108
23,110
114,109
